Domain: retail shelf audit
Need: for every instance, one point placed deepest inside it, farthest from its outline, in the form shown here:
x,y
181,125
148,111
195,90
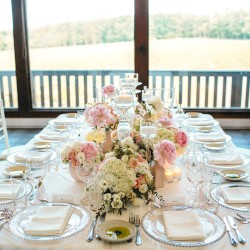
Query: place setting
x,y
224,160
29,155
49,222
183,226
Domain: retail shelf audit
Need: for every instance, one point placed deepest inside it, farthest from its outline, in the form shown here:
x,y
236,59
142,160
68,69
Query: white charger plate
x,y
236,166
22,192
215,146
213,227
228,139
78,221
107,225
11,158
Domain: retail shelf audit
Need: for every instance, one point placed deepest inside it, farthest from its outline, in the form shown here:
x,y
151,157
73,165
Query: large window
x,y
200,44
72,43
8,88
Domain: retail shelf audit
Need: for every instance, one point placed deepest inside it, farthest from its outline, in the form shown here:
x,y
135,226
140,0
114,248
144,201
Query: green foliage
x,y
232,25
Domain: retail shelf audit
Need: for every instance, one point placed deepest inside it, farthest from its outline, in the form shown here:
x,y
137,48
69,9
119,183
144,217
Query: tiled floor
x,y
241,138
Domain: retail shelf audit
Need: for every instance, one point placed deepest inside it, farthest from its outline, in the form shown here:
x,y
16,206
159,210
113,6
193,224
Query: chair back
x,y
3,127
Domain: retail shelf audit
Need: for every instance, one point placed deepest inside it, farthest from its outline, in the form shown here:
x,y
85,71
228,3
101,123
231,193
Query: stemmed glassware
x,y
86,173
124,100
148,130
196,174
36,174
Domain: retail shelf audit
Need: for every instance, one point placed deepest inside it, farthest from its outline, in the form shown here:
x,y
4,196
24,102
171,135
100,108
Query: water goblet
x,y
85,173
196,175
36,174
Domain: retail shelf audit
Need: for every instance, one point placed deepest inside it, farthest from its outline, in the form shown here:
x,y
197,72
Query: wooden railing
x,y
74,88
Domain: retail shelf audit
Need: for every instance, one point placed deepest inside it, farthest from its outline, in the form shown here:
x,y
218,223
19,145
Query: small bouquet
x,y
108,90
79,153
165,151
100,115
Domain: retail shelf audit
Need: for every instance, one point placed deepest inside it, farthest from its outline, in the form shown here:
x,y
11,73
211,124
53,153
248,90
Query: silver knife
x,y
91,231
239,235
231,236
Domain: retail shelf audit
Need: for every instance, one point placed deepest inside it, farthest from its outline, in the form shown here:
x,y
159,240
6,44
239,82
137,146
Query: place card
x,y
174,201
62,198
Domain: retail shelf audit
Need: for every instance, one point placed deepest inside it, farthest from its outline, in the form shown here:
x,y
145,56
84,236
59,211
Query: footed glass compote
x,y
124,100
148,130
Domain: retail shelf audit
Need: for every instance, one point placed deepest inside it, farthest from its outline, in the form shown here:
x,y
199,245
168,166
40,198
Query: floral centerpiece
x,y
81,153
124,177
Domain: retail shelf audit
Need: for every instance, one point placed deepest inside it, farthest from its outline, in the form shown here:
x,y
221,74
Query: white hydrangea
x,y
128,143
143,188
138,202
107,197
125,158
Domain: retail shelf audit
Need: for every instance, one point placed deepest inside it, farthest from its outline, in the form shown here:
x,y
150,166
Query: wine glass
x,y
86,173
36,174
148,130
196,175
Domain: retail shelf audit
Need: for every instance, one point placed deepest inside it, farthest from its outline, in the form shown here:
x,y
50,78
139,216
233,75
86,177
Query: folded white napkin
x,y
183,225
200,122
52,136
236,194
211,137
49,221
6,190
32,156
65,121
228,158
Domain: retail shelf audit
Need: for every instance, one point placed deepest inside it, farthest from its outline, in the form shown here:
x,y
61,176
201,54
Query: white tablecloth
x,y
60,182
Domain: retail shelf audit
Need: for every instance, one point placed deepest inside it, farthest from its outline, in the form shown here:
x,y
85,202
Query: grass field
x,y
172,54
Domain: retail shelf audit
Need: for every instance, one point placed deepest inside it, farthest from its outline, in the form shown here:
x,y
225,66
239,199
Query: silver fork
x,y
242,219
7,215
135,220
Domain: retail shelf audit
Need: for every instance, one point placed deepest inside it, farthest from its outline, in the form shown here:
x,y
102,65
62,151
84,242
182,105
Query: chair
x,y
4,135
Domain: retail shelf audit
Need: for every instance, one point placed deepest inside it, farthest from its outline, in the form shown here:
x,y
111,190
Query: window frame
x,y
141,63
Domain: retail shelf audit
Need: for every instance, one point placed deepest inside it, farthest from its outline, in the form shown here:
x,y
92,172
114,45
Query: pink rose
x,y
165,121
165,150
139,181
181,138
133,163
108,90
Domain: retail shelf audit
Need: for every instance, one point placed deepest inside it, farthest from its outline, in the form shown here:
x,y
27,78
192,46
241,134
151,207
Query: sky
x,y
44,12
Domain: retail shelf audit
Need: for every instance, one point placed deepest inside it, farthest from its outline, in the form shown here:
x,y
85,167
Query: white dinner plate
x,y
41,144
50,137
236,166
234,174
15,171
215,146
12,158
193,139
22,191
185,123
206,129
242,207
213,227
115,230
78,221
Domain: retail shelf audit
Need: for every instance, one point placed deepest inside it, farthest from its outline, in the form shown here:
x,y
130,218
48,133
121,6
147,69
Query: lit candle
x,y
177,173
148,130
169,176
124,98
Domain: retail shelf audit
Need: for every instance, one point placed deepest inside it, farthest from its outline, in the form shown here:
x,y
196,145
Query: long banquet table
x,y
60,183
